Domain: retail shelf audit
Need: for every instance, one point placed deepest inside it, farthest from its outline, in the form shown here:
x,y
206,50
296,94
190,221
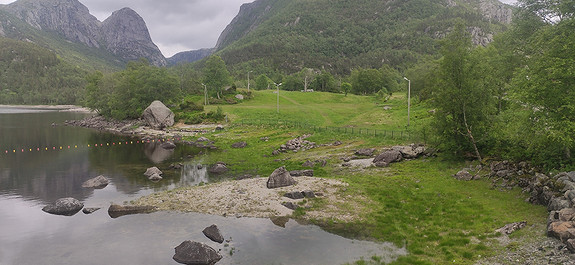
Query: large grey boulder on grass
x,y
158,116
280,178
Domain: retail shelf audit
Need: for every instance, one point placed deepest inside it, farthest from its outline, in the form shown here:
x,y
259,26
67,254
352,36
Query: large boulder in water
x,y
98,182
64,206
196,253
280,178
158,116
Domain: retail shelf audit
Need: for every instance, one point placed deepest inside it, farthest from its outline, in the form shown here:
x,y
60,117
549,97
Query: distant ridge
x,y
189,56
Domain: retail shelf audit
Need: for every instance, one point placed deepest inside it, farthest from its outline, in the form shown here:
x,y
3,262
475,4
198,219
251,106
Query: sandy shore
x,y
251,198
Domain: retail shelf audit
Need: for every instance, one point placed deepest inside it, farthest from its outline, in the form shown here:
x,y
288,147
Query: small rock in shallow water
x,y
196,253
89,210
213,232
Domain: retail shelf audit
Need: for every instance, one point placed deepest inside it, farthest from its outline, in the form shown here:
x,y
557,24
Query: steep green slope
x,y
76,54
339,35
30,74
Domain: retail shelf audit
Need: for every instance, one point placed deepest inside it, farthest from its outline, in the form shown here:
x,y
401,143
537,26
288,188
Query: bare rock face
x,y
98,182
196,253
64,206
280,178
127,36
158,116
68,17
123,34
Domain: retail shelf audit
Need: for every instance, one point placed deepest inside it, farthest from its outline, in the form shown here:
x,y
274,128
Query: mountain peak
x,y
124,33
127,35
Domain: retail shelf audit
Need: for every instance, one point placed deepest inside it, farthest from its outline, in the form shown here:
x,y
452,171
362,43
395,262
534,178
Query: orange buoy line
x,y
71,147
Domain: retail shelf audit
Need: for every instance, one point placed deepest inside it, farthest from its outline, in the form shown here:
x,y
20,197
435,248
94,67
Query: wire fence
x,y
379,133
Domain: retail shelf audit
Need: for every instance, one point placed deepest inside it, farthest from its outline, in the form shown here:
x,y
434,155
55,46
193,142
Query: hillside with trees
x,y
339,36
30,74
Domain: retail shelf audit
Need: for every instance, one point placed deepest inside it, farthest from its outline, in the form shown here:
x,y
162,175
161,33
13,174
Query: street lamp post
x,y
205,94
249,80
408,98
278,96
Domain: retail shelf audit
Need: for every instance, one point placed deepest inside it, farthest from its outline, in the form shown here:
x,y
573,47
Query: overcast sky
x,y
175,25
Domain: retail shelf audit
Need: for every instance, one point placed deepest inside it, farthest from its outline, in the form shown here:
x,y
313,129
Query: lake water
x,y
41,161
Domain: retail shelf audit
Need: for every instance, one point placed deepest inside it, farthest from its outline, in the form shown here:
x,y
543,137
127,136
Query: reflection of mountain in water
x,y
46,176
194,174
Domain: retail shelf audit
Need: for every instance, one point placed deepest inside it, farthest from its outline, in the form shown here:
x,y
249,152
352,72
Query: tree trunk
x,y
470,135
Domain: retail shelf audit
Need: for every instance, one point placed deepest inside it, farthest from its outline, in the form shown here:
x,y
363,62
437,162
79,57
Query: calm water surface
x,y
31,177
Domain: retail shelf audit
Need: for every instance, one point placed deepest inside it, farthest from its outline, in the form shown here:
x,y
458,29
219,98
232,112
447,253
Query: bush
x,y
189,105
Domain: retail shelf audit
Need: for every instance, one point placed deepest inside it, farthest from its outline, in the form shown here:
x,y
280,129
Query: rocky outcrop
x,y
195,253
496,11
213,233
280,178
557,192
158,116
64,206
98,182
123,34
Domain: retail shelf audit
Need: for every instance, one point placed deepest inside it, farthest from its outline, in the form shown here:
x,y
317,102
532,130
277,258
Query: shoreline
x,y
251,198
63,108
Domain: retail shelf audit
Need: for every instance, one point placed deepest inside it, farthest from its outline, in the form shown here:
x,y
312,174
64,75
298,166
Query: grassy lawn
x,y
417,204
328,109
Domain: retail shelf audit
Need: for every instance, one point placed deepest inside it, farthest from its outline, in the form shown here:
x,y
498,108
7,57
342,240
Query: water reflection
x,y
193,174
151,238
156,153
31,179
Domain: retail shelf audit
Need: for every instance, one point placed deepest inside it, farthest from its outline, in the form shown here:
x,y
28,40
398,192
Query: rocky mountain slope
x,y
339,35
189,56
124,34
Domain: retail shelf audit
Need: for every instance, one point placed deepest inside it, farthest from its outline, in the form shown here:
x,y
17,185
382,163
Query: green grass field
x,y
417,204
328,109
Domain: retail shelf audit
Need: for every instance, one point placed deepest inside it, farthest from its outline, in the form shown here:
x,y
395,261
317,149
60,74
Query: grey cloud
x,y
176,25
